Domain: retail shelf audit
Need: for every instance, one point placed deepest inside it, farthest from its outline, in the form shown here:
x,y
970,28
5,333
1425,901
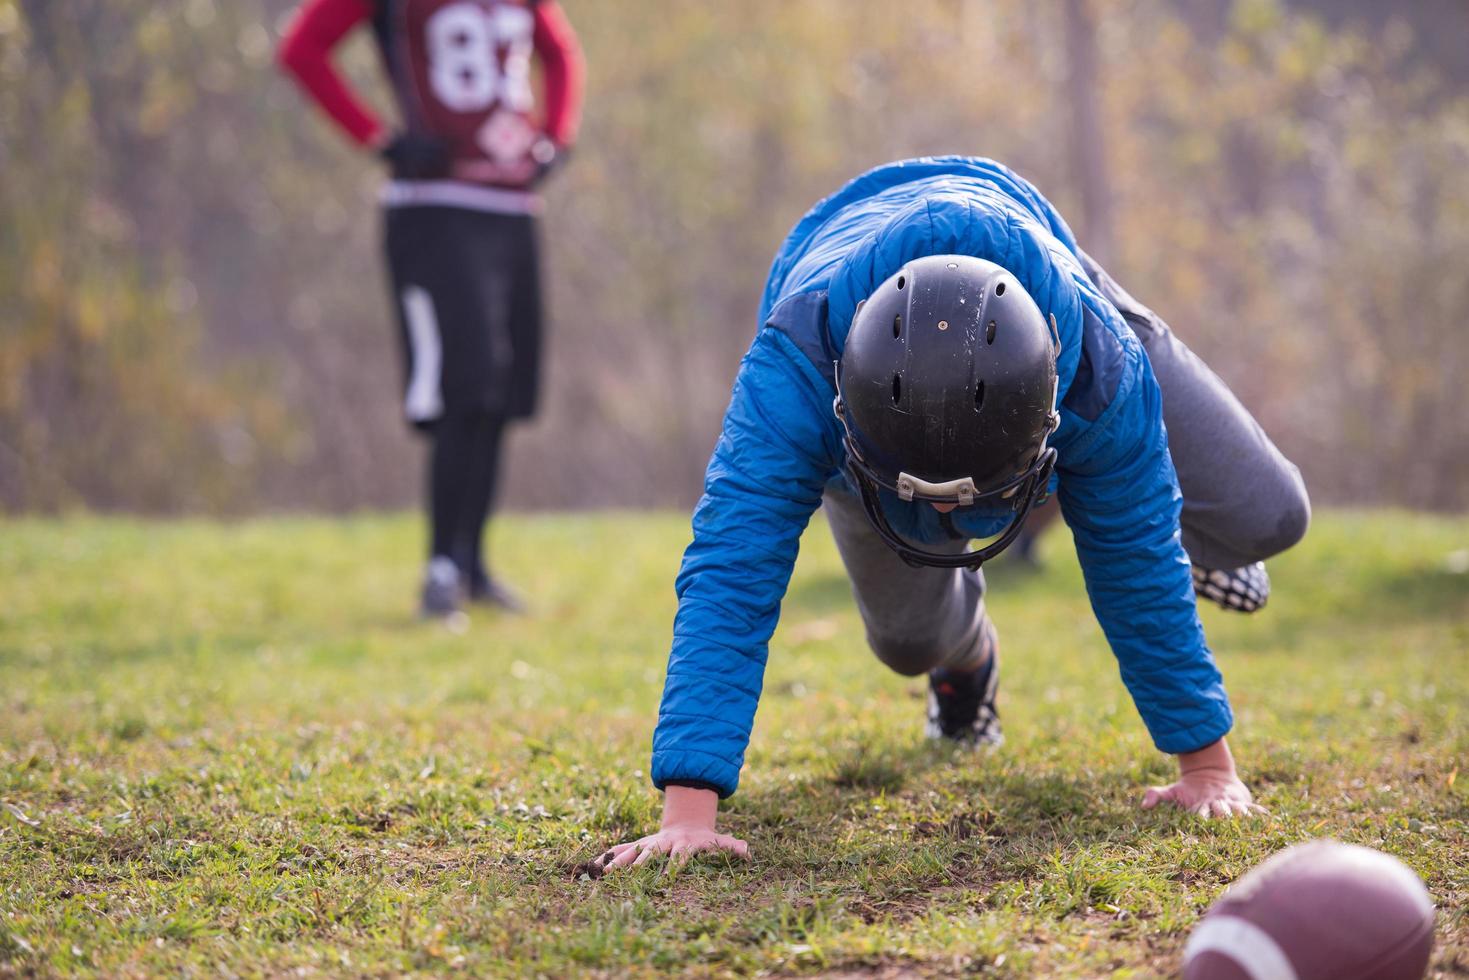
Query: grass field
x,y
232,749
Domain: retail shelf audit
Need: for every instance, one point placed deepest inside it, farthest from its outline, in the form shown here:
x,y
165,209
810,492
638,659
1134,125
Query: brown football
x,y
1317,911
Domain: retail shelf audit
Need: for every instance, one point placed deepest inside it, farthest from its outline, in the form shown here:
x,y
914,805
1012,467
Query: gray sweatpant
x,y
1242,502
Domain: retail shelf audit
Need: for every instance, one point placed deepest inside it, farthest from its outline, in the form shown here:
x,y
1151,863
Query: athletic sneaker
x,y
1239,589
961,705
442,592
490,591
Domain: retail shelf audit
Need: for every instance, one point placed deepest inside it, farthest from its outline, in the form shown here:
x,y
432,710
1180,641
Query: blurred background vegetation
x,y
192,315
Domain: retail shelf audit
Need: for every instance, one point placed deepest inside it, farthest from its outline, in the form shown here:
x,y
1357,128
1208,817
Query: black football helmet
x,y
947,393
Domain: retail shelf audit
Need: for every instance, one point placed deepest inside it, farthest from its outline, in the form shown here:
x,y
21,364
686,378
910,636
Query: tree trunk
x,y
1088,144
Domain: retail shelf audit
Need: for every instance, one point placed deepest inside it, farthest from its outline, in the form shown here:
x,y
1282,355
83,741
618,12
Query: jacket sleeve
x,y
774,456
305,52
1119,494
564,71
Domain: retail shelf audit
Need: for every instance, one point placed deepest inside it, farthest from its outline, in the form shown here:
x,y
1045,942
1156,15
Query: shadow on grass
x,y
1007,801
1415,594
883,834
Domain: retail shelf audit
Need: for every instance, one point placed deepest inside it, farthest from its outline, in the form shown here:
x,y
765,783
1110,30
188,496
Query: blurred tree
x,y
104,399
1302,240
183,250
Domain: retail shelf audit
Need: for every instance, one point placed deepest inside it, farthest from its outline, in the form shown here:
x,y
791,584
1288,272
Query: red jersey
x,y
461,70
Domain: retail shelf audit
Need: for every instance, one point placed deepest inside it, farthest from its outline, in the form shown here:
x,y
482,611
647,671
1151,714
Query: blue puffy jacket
x,y
780,448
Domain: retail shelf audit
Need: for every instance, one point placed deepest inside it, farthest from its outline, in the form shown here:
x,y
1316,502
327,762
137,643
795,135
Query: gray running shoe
x,y
1239,589
442,592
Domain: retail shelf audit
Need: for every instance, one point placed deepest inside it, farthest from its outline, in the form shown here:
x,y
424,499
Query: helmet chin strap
x,y
1021,493
1032,489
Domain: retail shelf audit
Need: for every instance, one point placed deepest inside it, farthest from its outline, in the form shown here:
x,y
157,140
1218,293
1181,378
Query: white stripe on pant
x,y
424,401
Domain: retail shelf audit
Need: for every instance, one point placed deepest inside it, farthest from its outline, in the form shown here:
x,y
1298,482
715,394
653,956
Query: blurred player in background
x,y
461,235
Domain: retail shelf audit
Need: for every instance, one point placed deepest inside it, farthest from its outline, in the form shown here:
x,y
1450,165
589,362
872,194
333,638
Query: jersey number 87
x,y
464,68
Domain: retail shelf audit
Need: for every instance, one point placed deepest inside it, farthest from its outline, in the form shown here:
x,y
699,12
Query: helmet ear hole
x,y
897,388
902,281
897,326
979,396
1000,288
989,332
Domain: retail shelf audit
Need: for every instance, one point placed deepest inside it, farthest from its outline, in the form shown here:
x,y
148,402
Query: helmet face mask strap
x,y
1031,490
962,489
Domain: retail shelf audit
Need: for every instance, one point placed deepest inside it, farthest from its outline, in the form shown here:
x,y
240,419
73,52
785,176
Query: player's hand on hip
x,y
679,842
416,156
547,157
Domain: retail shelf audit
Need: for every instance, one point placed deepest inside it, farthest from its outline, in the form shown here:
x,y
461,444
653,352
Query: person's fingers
x,y
1257,809
681,854
629,855
1201,810
678,857
639,852
734,845
619,849
1168,794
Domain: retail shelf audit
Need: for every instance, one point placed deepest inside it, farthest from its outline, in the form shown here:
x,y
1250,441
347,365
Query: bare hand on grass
x,y
1207,786
1206,795
689,815
679,842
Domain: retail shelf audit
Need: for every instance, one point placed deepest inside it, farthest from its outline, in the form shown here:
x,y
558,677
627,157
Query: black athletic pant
x,y
466,284
463,473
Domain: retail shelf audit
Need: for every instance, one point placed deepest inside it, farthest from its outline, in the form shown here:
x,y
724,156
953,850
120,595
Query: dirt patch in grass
x,y
961,826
